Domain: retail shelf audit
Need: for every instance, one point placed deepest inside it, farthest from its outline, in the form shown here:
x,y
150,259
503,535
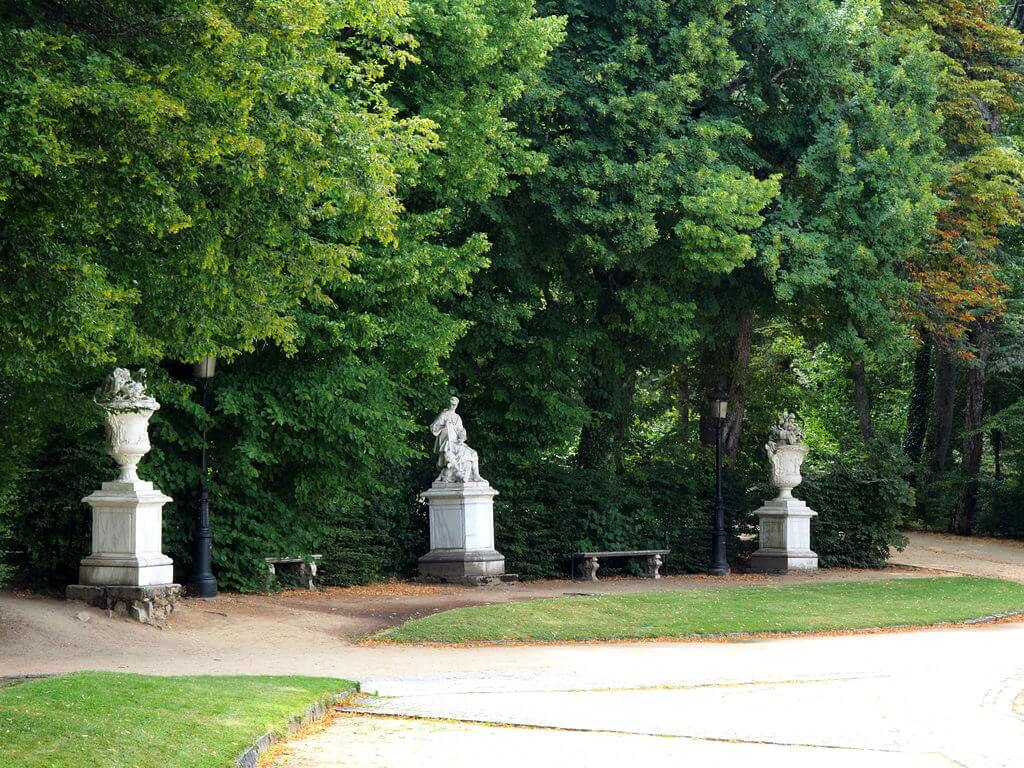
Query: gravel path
x,y
290,632
976,556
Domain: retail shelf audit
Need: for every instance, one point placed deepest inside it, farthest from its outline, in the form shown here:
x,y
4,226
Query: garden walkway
x,y
976,556
915,699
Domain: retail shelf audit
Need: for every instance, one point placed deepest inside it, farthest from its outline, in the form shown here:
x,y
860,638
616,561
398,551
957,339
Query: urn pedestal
x,y
785,521
127,531
462,535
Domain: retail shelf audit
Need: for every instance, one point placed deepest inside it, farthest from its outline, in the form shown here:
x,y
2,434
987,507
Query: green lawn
x,y
109,720
800,608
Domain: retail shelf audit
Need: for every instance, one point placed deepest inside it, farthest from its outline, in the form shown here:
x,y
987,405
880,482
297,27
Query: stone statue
x,y
457,461
126,569
461,511
786,452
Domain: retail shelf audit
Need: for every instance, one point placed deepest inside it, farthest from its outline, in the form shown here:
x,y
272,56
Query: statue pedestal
x,y
785,537
126,569
127,530
462,535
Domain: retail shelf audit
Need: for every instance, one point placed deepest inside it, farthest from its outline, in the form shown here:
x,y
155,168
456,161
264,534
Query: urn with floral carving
x,y
128,438
128,410
786,461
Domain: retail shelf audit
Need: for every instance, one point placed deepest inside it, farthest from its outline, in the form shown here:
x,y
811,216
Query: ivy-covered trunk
x,y
942,416
862,400
920,399
610,400
739,375
962,517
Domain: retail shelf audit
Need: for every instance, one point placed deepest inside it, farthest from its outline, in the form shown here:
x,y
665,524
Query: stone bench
x,y
306,567
589,561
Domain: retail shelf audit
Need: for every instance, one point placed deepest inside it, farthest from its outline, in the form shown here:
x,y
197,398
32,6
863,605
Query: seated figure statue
x,y
457,461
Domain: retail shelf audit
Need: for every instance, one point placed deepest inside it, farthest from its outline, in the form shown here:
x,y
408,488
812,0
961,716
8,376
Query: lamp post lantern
x,y
719,563
203,583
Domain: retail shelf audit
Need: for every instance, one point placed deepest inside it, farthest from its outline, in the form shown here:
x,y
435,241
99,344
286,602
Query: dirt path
x,y
290,632
976,556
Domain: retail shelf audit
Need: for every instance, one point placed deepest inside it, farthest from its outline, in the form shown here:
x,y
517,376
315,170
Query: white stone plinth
x,y
785,537
127,527
461,533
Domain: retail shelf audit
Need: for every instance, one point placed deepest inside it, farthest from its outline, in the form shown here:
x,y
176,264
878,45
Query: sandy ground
x,y
295,631
315,632
977,556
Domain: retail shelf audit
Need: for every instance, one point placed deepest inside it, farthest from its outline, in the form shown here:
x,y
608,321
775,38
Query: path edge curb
x,y
251,756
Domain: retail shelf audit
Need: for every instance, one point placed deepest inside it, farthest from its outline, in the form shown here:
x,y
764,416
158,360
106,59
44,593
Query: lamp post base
x,y
205,589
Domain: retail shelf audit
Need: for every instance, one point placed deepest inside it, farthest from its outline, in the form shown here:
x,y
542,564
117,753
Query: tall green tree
x,y
962,291
314,440
598,260
163,165
844,112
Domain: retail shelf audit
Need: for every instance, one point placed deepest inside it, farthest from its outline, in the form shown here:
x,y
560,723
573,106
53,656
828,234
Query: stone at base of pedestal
x,y
471,581
781,562
462,566
149,604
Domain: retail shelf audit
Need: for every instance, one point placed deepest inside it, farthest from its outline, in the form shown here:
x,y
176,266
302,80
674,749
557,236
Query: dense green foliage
x,y
137,721
583,217
792,608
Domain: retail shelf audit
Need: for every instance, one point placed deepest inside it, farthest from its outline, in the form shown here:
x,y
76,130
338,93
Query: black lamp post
x,y
719,563
203,583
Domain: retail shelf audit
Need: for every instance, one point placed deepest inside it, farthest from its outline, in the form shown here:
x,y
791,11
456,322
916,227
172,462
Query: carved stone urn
x,y
128,436
785,521
786,461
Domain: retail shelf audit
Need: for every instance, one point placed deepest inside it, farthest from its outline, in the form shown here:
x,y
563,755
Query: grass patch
x,y
110,720
799,608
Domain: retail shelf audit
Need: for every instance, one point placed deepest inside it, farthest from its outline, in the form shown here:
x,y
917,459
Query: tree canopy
x,y
582,217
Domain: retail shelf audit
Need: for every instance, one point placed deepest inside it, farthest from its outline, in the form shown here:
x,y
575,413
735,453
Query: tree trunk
x,y
961,519
610,401
682,388
920,400
945,402
996,435
729,375
608,392
738,385
997,448
862,400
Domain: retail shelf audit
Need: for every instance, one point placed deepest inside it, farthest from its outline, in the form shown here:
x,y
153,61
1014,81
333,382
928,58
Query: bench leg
x,y
654,566
311,575
588,569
